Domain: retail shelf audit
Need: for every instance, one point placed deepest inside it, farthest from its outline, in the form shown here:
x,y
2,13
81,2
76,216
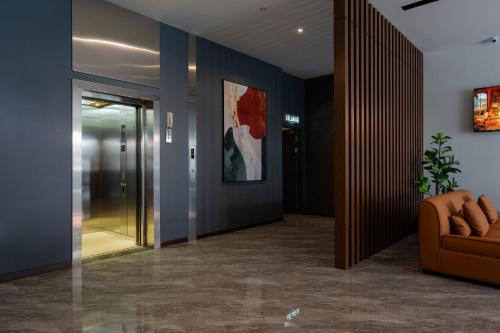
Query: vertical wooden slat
x,y
394,172
385,82
400,142
378,126
361,128
352,147
414,119
357,191
370,110
378,219
341,109
406,128
374,211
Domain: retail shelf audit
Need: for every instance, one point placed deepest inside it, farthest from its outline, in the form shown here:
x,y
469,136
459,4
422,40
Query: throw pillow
x,y
460,226
476,218
488,208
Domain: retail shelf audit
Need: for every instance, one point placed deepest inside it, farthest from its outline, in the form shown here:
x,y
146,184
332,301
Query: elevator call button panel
x,y
123,138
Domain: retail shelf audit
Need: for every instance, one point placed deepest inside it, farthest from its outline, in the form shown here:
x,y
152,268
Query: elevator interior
x,y
117,174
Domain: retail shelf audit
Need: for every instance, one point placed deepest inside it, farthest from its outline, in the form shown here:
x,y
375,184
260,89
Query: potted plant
x,y
440,163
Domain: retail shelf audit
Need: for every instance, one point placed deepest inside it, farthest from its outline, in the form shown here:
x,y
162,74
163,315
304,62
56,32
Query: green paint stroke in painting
x,y
234,164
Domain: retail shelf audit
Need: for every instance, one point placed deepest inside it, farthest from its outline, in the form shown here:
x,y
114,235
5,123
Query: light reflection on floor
x,y
274,278
97,242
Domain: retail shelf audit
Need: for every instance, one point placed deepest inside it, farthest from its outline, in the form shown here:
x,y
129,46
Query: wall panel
x,y
378,125
35,135
174,159
225,206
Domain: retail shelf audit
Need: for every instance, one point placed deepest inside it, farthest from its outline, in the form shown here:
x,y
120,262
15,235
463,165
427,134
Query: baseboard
x,y
34,271
218,233
305,212
230,230
174,242
63,265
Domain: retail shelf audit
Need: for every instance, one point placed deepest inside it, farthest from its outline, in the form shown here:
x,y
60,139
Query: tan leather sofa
x,y
440,251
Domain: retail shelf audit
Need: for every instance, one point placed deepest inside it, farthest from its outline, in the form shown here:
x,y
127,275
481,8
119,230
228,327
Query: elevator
x,y
117,174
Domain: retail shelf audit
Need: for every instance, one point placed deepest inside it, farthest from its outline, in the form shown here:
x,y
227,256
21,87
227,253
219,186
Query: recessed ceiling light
x,y
300,30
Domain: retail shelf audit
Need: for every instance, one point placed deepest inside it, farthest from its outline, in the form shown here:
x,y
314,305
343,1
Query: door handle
x,y
124,188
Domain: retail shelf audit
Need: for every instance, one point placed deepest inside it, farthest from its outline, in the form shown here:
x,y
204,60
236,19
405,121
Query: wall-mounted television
x,y
487,109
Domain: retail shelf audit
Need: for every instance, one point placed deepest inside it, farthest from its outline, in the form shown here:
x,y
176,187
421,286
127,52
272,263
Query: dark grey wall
x,y
35,134
319,146
174,156
450,77
220,205
293,94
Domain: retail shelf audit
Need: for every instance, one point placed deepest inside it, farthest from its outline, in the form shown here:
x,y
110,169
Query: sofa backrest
x,y
434,222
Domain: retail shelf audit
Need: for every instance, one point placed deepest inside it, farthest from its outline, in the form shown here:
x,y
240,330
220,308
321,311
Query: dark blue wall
x,y
174,156
293,94
35,134
221,205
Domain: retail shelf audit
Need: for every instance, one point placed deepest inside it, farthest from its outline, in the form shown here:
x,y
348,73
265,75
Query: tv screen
x,y
487,109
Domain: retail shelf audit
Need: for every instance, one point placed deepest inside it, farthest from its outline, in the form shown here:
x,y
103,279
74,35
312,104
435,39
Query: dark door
x,y
291,171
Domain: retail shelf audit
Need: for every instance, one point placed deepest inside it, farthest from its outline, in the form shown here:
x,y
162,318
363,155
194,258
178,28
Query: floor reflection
x,y
275,278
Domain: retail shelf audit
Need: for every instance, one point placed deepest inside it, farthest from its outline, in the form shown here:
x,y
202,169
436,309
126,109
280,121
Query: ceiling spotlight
x,y
300,30
263,9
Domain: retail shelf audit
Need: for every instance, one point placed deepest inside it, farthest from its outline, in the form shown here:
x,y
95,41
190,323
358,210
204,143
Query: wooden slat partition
x,y
378,123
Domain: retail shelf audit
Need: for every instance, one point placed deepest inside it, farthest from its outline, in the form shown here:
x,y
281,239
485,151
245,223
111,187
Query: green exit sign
x,y
292,119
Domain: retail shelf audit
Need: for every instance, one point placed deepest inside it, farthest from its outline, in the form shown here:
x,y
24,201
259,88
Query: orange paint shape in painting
x,y
252,112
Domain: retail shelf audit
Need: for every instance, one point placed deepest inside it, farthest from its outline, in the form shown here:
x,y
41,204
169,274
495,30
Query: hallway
x,y
274,278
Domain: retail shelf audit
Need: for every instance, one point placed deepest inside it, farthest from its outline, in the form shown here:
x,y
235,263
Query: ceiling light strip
x,y
114,44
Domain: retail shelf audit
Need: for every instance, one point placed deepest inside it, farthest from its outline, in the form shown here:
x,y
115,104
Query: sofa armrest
x,y
429,236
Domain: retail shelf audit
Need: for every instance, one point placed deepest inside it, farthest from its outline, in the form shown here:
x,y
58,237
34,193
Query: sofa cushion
x,y
476,218
488,208
494,231
460,226
438,209
481,246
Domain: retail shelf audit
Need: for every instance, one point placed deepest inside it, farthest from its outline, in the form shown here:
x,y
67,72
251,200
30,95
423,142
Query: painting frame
x,y
486,110
263,177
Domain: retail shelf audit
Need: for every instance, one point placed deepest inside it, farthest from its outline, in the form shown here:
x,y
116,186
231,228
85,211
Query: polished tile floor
x,y
275,278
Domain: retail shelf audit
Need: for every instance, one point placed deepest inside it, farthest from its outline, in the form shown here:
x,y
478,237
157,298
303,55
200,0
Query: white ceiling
x,y
269,35
444,24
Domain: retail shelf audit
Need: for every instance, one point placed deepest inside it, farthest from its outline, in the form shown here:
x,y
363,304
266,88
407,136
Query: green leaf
x,y
439,161
423,184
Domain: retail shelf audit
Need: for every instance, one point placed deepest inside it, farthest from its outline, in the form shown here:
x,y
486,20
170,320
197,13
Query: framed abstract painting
x,y
245,131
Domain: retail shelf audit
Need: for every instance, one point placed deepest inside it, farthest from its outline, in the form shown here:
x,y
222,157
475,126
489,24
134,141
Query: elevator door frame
x,y
81,88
